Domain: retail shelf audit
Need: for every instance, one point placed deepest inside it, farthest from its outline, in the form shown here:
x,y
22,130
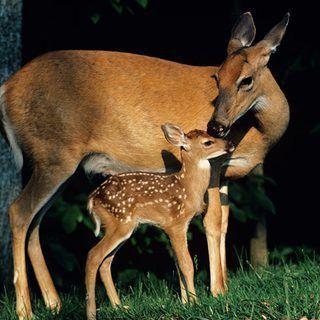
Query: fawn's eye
x,y
208,143
246,83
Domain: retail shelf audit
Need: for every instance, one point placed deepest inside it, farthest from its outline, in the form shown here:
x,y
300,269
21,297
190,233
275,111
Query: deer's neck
x,y
272,111
195,178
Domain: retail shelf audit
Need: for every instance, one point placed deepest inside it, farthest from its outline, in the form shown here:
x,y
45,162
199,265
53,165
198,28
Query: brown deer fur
x,y
169,201
64,106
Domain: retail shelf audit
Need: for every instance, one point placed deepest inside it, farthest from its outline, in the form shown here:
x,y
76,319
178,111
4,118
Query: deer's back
x,y
96,101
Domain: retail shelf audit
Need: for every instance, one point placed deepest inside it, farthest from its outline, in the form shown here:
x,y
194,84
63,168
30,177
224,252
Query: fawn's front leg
x,y
178,239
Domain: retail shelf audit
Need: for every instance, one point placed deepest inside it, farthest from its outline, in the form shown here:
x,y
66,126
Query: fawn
x,y
168,200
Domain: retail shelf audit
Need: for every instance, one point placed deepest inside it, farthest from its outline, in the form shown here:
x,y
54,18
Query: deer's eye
x,y
246,83
208,143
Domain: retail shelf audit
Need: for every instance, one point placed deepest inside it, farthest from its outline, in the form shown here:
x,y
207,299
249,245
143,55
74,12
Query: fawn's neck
x,y
195,177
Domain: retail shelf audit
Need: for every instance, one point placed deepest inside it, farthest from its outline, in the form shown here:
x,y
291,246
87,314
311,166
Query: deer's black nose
x,y
217,129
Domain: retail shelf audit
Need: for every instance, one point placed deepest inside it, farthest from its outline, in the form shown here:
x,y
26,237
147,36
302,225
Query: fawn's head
x,y
240,78
197,145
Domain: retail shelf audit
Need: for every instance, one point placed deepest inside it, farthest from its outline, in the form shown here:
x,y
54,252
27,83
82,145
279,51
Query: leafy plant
x,y
70,215
121,7
248,201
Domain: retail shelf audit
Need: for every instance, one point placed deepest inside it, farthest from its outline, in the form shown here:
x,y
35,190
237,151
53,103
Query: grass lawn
x,y
284,291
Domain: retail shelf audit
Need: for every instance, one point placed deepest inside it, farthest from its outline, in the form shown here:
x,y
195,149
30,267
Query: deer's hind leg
x,y
44,182
48,290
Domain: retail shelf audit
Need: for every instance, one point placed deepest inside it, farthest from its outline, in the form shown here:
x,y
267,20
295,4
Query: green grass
x,y
284,291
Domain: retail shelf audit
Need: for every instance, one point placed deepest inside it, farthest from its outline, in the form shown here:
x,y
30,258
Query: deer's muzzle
x,y
217,129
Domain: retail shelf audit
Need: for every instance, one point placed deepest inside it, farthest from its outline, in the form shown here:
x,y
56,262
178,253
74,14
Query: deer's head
x,y
240,77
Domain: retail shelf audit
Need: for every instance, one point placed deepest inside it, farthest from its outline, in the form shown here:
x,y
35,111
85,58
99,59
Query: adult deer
x,y
104,110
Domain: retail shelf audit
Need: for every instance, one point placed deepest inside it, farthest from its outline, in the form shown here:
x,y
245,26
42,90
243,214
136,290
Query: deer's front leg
x,y
224,228
212,224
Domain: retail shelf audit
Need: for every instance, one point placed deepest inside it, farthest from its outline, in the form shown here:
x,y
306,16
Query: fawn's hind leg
x,y
106,277
114,237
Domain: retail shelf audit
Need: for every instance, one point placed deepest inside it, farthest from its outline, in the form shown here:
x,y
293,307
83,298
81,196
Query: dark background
x,y
197,32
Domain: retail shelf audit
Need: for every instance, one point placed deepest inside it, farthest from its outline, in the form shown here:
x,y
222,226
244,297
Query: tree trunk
x,y
10,179
258,244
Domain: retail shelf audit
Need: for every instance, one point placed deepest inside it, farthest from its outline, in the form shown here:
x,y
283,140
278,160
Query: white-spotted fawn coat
x,y
169,201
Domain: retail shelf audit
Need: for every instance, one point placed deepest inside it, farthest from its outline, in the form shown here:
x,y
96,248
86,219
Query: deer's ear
x,y
273,38
175,136
242,34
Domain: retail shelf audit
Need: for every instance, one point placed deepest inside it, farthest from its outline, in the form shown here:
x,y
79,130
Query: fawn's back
x,y
141,197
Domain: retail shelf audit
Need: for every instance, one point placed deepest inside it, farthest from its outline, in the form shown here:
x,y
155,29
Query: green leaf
x,y
143,3
129,10
239,214
147,241
95,18
237,192
264,202
88,223
315,130
117,6
63,257
258,178
197,221
70,219
127,275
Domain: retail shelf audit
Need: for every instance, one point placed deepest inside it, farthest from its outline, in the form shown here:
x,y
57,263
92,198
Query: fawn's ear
x,y
175,136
